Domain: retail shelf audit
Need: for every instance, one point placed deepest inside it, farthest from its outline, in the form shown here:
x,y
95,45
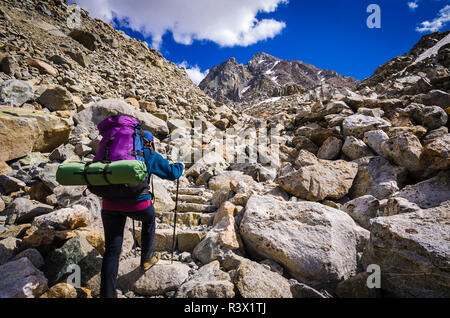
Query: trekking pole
x,y
134,239
175,219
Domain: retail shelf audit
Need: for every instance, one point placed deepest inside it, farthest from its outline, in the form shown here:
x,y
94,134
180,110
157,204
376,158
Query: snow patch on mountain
x,y
269,100
245,89
433,50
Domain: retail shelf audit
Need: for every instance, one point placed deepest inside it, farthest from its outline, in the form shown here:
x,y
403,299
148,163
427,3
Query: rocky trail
x,y
358,183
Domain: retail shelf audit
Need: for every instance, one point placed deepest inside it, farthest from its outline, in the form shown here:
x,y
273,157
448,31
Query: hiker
x,y
115,212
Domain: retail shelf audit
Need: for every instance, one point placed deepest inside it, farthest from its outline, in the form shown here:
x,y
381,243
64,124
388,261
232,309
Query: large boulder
x,y
374,139
64,219
434,97
65,290
302,236
255,281
413,253
8,248
221,238
4,169
397,205
225,223
187,240
429,193
318,179
159,279
356,287
93,115
355,148
431,117
94,237
22,210
42,240
362,209
357,125
76,251
68,195
163,201
330,149
436,154
33,255
302,142
17,136
86,38
57,98
404,150
80,58
20,279
377,177
178,123
63,152
48,175
17,231
209,160
10,184
225,179
14,92
43,67
317,134
209,282
10,66
23,131
61,290
300,290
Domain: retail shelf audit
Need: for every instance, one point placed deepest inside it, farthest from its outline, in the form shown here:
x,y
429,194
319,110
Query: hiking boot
x,y
149,264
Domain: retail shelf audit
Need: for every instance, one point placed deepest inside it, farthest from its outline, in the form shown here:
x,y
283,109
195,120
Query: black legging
x,y
114,224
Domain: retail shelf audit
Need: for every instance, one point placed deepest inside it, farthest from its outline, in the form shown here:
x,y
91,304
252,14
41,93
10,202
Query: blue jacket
x,y
158,165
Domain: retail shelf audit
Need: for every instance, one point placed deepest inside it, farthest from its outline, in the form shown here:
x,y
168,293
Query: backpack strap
x,y
149,165
152,192
105,173
85,173
106,154
134,153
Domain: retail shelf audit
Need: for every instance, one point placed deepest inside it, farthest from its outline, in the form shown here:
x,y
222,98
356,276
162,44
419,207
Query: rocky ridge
x,y
264,77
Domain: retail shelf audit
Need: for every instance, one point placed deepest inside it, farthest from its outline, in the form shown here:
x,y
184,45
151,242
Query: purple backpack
x,y
123,139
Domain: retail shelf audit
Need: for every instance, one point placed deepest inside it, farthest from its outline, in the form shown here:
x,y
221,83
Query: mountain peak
x,y
262,57
266,76
231,60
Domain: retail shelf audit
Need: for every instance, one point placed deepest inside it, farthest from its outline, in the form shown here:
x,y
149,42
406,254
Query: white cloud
x,y
225,22
194,72
438,23
413,5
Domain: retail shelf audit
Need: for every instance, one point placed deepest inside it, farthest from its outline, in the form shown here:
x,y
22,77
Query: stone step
x,y
188,218
190,191
186,239
195,207
190,198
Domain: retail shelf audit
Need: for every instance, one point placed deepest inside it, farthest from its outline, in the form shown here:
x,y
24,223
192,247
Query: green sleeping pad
x,y
117,172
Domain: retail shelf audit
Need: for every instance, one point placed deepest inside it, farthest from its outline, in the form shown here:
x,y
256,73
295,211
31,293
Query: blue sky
x,y
329,34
